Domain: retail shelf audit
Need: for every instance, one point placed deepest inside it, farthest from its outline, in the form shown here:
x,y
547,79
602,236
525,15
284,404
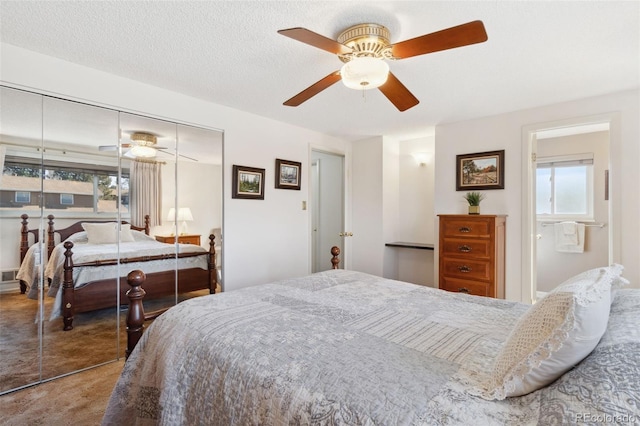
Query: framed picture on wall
x,y
482,170
288,174
248,182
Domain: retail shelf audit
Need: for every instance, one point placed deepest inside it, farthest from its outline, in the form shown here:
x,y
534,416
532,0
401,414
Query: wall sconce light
x,y
422,158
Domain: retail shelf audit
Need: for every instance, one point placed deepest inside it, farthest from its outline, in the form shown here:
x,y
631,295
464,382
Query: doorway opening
x,y
568,219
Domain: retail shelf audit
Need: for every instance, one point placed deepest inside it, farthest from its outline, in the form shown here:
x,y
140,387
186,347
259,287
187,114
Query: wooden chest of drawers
x,y
472,254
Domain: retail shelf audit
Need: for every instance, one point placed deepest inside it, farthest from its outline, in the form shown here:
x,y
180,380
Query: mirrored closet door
x,y
88,194
20,192
78,186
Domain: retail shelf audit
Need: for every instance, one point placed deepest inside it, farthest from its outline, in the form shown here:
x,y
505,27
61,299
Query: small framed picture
x,y
288,174
248,182
483,170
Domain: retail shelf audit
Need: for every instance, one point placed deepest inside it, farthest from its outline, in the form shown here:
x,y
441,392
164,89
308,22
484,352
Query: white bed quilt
x,y
85,252
343,347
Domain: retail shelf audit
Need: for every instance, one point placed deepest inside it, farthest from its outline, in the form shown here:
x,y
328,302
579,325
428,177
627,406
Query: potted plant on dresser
x,y
474,198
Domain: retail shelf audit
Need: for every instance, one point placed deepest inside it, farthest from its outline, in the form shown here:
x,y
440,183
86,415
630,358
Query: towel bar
x,y
590,225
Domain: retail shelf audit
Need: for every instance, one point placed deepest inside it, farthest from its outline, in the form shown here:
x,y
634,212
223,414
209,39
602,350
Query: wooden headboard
x,y
63,233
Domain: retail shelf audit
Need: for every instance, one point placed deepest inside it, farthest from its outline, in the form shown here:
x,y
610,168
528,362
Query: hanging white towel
x,y
569,237
569,233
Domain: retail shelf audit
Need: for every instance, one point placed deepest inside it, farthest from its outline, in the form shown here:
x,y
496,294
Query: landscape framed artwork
x,y
288,174
482,170
248,182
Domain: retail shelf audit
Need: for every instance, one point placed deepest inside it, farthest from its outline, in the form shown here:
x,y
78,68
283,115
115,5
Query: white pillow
x,y
126,236
78,237
141,236
554,334
107,233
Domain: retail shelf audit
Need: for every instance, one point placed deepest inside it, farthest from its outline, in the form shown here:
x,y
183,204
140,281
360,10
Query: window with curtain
x,y
145,192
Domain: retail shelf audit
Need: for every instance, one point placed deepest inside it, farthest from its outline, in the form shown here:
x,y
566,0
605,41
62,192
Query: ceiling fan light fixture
x,y
143,151
364,73
144,139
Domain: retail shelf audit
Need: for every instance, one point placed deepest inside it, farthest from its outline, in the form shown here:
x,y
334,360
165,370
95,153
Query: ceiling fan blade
x,y
462,35
398,94
187,157
179,155
129,154
316,40
314,89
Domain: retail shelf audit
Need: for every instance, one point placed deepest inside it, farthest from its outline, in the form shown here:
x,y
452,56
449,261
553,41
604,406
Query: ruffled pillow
x,y
554,334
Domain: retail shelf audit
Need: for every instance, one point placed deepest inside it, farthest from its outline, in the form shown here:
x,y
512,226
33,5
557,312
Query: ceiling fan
x,y
364,48
143,145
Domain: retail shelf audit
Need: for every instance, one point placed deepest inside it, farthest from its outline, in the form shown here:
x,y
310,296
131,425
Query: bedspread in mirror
x,y
30,269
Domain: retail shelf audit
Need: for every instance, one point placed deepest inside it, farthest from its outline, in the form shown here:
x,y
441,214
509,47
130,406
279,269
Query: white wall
x,y
259,245
505,132
416,191
390,203
393,201
199,187
416,218
367,243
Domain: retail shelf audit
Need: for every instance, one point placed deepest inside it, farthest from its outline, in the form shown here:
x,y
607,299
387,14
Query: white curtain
x,y
145,187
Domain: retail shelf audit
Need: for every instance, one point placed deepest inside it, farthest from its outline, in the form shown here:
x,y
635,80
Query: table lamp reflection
x,y
184,215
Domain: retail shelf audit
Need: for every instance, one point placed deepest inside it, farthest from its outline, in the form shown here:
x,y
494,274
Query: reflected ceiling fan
x,y
143,145
364,50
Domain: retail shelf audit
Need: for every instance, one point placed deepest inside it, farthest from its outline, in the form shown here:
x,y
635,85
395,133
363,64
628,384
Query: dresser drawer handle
x,y
464,248
464,229
464,268
463,290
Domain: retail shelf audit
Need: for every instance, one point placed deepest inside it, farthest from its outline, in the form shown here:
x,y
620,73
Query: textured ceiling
x,y
229,52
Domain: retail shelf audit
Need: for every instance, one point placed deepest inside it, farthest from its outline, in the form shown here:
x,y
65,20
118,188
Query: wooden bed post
x,y
24,246
135,316
213,270
335,252
51,242
68,297
147,227
24,236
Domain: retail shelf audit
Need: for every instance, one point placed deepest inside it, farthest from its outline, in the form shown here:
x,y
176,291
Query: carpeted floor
x,y
93,341
77,399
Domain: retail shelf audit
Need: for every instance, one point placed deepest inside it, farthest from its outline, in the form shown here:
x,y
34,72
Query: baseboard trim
x,y
9,287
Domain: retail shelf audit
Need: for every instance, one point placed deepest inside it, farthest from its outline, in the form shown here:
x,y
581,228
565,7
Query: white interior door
x,y
327,209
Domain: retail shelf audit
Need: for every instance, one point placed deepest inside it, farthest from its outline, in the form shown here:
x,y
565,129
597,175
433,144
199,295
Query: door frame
x,y
529,149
